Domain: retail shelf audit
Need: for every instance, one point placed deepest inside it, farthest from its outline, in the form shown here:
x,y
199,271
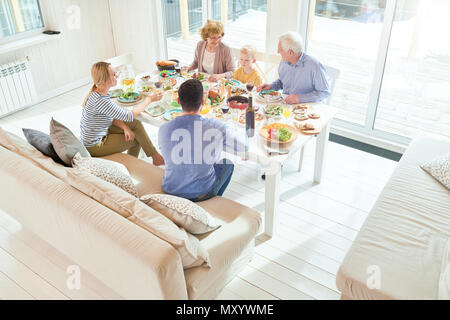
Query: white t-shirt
x,y
208,62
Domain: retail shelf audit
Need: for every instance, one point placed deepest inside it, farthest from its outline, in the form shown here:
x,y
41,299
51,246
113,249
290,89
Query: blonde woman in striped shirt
x,y
107,128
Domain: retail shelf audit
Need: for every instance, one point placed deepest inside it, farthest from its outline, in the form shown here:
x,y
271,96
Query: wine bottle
x,y
250,118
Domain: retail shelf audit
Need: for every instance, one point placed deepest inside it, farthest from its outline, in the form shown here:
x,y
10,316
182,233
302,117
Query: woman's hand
x,y
129,135
215,77
156,96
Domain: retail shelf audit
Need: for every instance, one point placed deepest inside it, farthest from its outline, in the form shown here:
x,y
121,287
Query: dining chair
x,y
333,75
120,61
269,62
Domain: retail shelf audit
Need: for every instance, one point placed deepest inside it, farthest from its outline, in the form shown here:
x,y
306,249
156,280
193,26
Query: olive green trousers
x,y
114,142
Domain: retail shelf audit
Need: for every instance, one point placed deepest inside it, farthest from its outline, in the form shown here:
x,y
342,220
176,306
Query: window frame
x,y
25,34
368,129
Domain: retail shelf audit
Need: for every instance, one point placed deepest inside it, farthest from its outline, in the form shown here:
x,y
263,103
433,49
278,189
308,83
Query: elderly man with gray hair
x,y
302,77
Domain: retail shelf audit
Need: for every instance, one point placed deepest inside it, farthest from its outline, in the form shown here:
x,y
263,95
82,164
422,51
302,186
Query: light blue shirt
x,y
307,78
190,146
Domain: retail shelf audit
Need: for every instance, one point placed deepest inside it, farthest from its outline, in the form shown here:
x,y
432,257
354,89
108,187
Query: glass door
x,y
244,20
415,94
346,35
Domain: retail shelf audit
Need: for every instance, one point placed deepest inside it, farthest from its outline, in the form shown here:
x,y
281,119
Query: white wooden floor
x,y
316,223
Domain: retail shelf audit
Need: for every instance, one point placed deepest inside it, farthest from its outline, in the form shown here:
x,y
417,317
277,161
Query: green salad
x,y
284,134
274,111
129,95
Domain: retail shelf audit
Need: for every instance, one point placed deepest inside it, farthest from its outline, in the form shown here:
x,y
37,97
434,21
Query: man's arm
x,y
321,87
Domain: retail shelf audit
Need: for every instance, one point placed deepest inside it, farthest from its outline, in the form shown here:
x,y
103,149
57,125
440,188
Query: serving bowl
x,y
264,133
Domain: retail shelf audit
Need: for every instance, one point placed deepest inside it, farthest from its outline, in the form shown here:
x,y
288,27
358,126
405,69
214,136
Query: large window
x,y
415,95
245,23
18,16
394,58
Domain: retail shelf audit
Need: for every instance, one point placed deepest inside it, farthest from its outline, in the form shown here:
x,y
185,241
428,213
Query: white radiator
x,y
16,86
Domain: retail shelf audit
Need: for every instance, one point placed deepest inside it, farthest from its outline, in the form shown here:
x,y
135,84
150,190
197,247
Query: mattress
x,y
400,249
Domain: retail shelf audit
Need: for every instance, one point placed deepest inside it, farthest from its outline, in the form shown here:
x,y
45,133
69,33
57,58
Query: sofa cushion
x,y
42,142
190,249
146,177
66,144
110,171
182,212
19,146
439,168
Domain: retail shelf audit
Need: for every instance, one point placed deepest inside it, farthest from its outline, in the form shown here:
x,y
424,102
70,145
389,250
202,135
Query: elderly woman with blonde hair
x,y
107,128
212,56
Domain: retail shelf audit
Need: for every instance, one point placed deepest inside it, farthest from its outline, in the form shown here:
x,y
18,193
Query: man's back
x,y
191,145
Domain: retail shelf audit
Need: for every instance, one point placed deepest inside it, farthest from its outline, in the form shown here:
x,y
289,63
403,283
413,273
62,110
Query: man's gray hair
x,y
292,41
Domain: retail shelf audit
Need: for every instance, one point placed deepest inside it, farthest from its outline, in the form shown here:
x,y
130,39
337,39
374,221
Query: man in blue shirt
x,y
192,145
302,77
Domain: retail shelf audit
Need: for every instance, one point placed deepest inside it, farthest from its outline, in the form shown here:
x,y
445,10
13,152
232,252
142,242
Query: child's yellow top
x,y
254,77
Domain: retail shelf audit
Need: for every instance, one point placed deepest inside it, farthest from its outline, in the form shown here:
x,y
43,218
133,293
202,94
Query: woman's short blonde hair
x,y
250,50
212,27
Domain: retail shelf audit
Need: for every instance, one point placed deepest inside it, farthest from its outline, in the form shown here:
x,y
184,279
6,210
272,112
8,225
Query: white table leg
x,y
272,198
321,148
300,162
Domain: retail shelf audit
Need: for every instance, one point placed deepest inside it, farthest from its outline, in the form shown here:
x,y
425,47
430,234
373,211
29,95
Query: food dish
x,y
307,128
301,117
301,108
258,117
147,89
278,135
115,93
168,74
129,97
156,110
198,75
274,111
167,64
236,91
238,102
233,82
172,114
146,78
269,96
314,115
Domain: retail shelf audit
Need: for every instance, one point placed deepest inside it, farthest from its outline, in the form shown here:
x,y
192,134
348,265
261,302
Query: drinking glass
x,y
250,86
287,113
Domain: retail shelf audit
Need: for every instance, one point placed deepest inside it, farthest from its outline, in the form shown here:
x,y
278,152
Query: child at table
x,y
247,72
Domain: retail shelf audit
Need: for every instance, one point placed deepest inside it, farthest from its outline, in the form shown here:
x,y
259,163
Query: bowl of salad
x,y
278,135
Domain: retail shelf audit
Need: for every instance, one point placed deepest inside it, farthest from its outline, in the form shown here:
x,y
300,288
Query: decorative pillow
x,y
110,171
182,212
439,169
65,143
192,252
42,142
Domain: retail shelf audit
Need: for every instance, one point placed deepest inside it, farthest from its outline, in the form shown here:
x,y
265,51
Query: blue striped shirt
x,y
307,78
98,115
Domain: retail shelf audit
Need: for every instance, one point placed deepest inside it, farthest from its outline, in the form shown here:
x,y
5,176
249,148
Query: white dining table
x,y
272,164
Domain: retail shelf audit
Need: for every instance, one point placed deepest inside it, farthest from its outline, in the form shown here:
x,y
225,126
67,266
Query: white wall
x,y
65,63
138,28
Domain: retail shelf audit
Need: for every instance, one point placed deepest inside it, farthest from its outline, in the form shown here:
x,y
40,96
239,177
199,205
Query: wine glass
x,y
225,109
250,86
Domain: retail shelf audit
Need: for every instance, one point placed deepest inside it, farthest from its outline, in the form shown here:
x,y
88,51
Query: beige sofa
x,y
402,249
130,260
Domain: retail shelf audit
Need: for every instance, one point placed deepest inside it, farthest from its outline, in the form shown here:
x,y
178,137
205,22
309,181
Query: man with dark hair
x,y
192,145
